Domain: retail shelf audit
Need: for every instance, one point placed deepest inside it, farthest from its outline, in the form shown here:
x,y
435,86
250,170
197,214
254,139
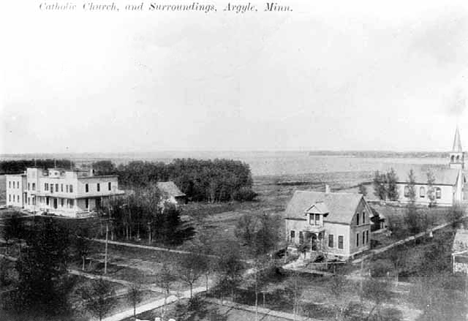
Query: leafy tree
x,y
99,298
431,195
134,296
379,182
43,283
413,219
165,279
362,189
246,229
229,267
392,187
411,187
104,167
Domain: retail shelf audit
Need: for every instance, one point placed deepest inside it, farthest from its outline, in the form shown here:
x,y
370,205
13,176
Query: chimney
x,y
327,188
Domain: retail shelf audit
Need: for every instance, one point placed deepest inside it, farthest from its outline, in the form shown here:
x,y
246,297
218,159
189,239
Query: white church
x,y
448,183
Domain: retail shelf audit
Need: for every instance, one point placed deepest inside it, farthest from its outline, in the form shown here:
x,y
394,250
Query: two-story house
x,y
60,191
337,224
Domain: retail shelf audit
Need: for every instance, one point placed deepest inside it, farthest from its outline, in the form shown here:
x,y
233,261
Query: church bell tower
x,y
457,156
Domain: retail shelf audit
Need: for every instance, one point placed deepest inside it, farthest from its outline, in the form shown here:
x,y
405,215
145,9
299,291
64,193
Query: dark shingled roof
x,y
443,176
170,189
342,206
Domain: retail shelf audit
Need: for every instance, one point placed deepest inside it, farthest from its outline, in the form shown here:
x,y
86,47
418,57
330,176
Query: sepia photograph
x,y
217,160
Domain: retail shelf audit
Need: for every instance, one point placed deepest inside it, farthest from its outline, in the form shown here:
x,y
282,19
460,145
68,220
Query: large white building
x,y
64,192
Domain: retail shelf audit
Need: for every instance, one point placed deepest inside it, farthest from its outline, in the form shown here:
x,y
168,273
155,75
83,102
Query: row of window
x,y
98,187
10,197
17,184
422,192
365,238
33,186
70,203
331,241
68,188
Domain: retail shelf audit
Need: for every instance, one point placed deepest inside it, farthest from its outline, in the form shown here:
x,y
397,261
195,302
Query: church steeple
x,y
457,156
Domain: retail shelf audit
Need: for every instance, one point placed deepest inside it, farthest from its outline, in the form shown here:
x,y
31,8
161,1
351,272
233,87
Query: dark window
x,y
406,191
9,184
330,240
61,187
61,202
29,186
34,186
301,237
46,186
47,201
98,187
357,219
66,188
29,200
340,241
363,217
71,188
56,188
422,192
363,238
9,197
438,193
109,186
357,239
51,188
86,203
367,236
87,188
72,202
293,235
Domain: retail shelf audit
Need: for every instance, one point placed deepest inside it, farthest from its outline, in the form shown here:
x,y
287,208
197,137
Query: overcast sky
x,y
353,75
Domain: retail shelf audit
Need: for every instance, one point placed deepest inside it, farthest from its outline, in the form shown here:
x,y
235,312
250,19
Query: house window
x,y
109,186
9,184
61,202
47,201
292,235
17,184
29,186
72,202
66,188
438,193
98,187
86,203
422,192
363,217
87,188
56,188
51,188
340,242
357,219
34,186
9,197
363,238
61,187
46,186
301,237
330,240
406,193
29,200
357,239
71,188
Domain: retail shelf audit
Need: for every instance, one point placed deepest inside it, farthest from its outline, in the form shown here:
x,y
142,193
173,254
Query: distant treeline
x,y
218,180
379,154
19,166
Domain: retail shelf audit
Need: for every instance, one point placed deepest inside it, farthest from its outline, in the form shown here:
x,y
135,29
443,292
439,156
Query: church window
x,y
357,219
363,217
406,191
422,192
438,193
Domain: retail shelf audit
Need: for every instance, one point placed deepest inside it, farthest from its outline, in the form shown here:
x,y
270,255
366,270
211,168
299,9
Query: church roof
x,y
457,146
340,206
442,176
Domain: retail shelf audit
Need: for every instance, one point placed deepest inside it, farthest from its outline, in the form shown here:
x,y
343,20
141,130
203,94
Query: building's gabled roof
x,y
318,208
460,242
457,146
170,189
442,176
341,206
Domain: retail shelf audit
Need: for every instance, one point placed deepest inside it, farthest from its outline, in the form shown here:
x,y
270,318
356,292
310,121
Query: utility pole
x,y
107,241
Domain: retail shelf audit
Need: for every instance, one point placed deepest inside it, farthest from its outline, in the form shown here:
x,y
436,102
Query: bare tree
x,y
190,268
99,298
134,296
165,280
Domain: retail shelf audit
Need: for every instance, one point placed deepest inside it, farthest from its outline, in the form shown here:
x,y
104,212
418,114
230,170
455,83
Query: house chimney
x,y
327,188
